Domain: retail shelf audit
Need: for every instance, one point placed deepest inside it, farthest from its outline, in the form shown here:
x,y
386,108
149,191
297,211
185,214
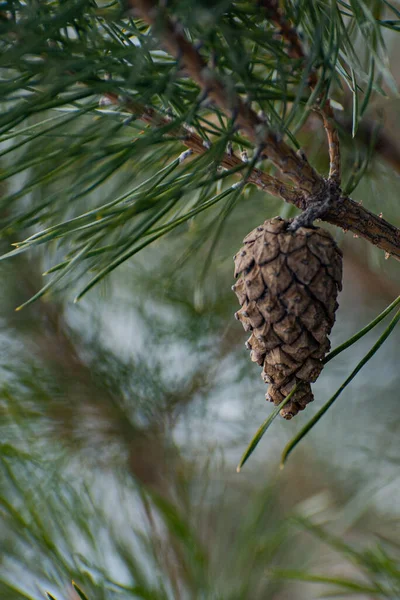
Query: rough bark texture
x,y
287,287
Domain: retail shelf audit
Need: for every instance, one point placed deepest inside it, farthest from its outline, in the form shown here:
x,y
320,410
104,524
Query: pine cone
x,y
288,284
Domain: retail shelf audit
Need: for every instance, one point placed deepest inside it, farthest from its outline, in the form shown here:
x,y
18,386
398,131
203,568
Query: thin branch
x,y
328,120
192,140
350,215
342,211
289,33
296,50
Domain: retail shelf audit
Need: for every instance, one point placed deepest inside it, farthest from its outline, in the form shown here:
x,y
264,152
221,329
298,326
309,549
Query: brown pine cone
x,y
288,285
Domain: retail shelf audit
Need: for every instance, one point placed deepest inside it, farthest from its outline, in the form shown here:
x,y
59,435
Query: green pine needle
x,y
268,421
303,432
78,590
263,429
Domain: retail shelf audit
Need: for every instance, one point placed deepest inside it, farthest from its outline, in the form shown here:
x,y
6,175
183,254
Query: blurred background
x,y
123,418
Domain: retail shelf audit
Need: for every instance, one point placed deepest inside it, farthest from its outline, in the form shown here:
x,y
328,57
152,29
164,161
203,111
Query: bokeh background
x,y
123,418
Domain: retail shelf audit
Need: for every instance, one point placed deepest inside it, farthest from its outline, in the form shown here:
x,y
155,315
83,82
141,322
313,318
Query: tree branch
x,y
277,151
268,183
296,50
342,211
328,120
348,214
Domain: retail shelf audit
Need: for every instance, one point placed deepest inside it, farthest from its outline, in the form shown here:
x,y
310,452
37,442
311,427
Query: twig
x,y
296,50
289,33
333,142
269,184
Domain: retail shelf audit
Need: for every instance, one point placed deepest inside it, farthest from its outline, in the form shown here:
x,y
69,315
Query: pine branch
x,y
289,33
324,197
269,184
344,212
296,50
276,150
328,120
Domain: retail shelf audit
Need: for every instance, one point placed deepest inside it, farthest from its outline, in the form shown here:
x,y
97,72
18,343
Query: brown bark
x,y
296,50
